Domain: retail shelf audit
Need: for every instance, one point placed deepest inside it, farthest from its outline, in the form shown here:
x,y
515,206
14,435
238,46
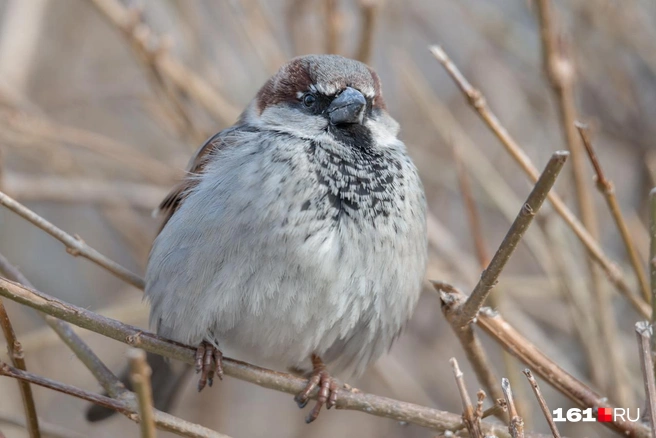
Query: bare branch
x,y
74,245
140,374
515,422
643,332
15,351
162,419
490,275
542,402
477,101
368,403
469,417
511,340
368,14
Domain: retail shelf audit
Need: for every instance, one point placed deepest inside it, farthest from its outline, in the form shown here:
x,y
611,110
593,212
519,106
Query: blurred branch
x,y
162,419
511,340
74,245
643,332
477,101
140,374
149,46
607,189
332,23
652,265
368,17
28,188
17,358
465,315
542,402
368,403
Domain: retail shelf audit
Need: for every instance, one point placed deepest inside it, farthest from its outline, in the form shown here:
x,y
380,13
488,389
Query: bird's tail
x,y
166,379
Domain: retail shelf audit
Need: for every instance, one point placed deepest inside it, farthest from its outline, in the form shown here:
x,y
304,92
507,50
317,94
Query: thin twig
x,y
105,377
368,14
491,274
542,402
477,101
74,245
515,422
140,374
511,340
368,403
15,351
607,189
162,419
643,332
469,417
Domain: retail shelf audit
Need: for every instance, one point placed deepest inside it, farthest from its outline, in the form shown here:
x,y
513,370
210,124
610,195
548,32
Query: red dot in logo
x,y
605,414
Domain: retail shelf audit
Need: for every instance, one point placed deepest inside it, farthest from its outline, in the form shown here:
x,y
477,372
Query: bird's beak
x,y
347,107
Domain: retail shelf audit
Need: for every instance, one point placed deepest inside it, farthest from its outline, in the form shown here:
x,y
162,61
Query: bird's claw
x,y
209,360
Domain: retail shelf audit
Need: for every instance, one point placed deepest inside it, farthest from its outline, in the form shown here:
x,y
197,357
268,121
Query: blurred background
x,y
101,107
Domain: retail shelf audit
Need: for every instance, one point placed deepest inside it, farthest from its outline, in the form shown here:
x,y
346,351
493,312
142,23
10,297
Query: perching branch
x,y
368,403
477,101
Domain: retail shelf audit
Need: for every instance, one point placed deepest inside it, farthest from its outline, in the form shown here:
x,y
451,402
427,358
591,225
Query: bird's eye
x,y
309,99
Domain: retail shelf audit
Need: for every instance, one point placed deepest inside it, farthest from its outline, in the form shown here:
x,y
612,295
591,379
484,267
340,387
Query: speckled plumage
x,y
297,237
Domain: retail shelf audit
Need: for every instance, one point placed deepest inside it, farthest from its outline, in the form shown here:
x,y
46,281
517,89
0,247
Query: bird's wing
x,y
196,166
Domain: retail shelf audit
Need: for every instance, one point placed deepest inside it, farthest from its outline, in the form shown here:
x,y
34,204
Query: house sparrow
x,y
297,240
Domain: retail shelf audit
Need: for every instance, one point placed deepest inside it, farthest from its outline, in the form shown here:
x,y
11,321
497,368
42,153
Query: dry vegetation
x,y
102,102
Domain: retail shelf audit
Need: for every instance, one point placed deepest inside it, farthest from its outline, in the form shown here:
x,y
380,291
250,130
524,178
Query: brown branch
x,y
542,402
74,245
105,377
332,24
368,14
15,351
607,189
163,420
511,340
148,45
515,422
490,275
643,332
469,417
368,403
140,374
477,101
652,262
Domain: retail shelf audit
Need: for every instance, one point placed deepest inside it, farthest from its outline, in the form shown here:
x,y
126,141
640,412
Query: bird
x,y
297,238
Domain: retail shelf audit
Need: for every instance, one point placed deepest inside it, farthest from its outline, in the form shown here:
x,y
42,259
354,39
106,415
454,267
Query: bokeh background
x,y
92,135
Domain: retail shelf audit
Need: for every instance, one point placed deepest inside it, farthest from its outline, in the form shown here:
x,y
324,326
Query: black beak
x,y
347,107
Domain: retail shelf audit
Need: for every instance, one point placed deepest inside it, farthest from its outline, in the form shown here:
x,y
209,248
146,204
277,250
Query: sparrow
x,y
297,240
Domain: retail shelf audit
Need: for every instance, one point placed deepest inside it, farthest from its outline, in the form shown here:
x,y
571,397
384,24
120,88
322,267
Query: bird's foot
x,y
327,390
209,360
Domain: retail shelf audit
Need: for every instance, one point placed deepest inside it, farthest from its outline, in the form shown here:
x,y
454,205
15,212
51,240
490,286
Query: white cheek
x,y
292,121
384,129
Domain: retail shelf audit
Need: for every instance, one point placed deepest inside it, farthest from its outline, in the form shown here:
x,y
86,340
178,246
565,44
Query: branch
x,y
542,402
368,14
523,349
465,315
607,189
469,416
140,374
15,351
368,403
643,332
162,419
74,245
515,422
477,101
105,377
